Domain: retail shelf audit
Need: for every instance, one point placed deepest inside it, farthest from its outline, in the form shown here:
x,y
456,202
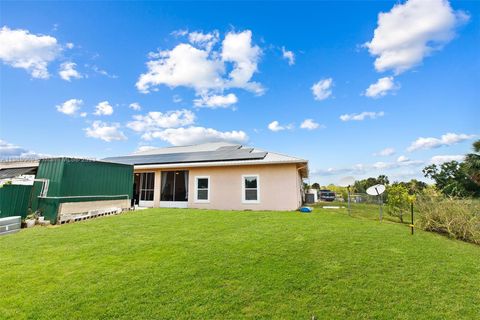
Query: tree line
x,y
460,179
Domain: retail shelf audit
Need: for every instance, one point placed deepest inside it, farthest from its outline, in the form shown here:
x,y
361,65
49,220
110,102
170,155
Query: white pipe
x,y
101,196
45,185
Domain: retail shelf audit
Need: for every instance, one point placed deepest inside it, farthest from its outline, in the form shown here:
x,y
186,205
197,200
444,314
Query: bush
x,y
398,201
457,218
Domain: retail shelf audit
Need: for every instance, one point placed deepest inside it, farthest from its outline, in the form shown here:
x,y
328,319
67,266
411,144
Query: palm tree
x,y
472,163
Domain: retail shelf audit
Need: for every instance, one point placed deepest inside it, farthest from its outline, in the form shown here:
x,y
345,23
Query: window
x,y
251,189
202,189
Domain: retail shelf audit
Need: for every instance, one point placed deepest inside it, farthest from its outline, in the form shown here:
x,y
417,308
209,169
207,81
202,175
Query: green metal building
x,y
14,200
74,187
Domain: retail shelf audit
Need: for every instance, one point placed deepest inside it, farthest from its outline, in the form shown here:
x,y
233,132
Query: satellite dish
x,y
376,190
346,182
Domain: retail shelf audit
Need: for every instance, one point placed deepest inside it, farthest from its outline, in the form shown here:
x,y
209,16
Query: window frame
x,y
244,200
197,189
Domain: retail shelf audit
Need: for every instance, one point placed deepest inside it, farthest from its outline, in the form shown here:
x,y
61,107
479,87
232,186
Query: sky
x,y
358,88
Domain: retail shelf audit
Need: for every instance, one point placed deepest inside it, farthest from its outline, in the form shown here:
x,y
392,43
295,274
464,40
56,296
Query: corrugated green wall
x,y
96,178
77,180
14,200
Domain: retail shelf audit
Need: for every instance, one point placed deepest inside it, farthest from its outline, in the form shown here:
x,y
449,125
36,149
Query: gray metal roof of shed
x,y
15,172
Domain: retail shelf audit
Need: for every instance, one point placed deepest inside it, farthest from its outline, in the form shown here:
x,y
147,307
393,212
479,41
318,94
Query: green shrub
x,y
398,201
457,218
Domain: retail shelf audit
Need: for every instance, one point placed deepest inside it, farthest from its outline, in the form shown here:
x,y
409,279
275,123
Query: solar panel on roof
x,y
230,147
184,157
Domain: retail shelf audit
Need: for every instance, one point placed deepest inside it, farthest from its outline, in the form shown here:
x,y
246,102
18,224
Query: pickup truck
x,y
326,195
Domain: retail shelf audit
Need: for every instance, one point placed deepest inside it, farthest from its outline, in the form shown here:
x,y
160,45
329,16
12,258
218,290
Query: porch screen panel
x,y
168,185
174,186
147,182
181,186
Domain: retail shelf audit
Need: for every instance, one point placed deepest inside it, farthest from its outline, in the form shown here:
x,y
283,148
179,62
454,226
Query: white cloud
x,y
216,101
382,87
385,152
67,71
275,126
322,89
103,109
102,72
355,169
195,135
406,163
202,68
381,165
179,33
70,107
402,158
289,56
104,131
11,151
370,169
446,158
411,31
155,120
361,116
238,49
394,171
398,164
21,49
445,140
135,106
184,65
204,40
142,149
309,124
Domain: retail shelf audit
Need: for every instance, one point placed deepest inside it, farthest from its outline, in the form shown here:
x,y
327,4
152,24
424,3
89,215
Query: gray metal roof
x,y
222,154
15,172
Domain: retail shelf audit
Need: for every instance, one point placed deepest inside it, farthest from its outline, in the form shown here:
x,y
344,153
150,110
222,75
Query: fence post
x,y
349,213
412,225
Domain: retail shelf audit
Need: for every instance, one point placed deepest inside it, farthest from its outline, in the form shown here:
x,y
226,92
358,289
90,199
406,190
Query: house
x,y
217,176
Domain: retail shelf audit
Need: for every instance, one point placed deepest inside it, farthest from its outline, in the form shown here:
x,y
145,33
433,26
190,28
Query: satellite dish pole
x,y
347,182
380,198
378,190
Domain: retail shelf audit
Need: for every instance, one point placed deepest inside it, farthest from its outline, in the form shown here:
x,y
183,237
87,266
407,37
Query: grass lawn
x,y
194,264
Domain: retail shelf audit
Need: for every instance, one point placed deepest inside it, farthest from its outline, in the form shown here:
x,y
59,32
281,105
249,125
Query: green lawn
x,y
194,264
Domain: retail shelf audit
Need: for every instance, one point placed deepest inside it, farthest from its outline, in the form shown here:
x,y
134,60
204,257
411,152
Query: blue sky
x,y
228,71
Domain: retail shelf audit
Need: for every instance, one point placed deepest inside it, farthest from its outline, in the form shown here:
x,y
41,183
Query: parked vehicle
x,y
326,195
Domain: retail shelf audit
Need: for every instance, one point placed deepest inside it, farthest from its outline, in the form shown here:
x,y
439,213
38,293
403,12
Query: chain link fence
x,y
362,205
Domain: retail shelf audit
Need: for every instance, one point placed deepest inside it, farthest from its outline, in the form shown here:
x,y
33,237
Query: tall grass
x,y
457,218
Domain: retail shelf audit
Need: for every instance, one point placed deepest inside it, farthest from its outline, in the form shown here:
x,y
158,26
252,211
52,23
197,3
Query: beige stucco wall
x,y
279,187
